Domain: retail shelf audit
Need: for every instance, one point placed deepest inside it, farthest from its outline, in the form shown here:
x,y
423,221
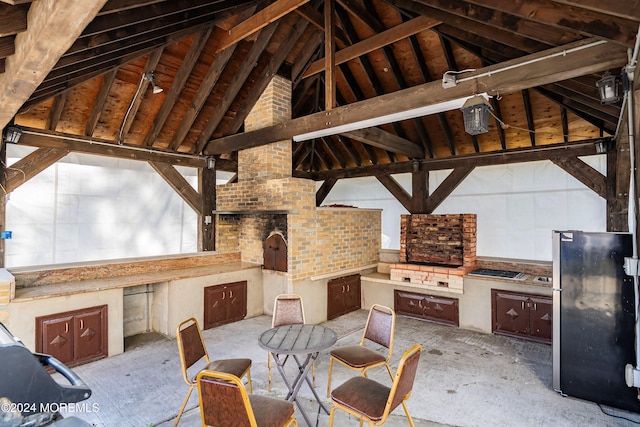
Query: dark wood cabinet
x,y
224,303
522,315
428,307
74,337
343,296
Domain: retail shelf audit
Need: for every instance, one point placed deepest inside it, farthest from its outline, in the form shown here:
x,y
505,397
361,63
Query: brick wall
x,y
438,239
318,240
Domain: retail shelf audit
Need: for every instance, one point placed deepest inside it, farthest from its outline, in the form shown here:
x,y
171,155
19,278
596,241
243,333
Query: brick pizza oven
x,y
436,250
267,200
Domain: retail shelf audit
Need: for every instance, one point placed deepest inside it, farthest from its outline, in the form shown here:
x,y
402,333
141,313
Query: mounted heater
x,y
476,112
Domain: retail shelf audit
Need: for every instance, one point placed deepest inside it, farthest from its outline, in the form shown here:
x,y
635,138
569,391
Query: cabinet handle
x,y
81,324
342,288
535,306
222,294
230,294
348,288
522,303
66,327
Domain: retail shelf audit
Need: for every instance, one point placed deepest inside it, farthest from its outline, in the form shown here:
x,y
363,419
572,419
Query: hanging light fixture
x,y
211,162
12,134
152,79
476,112
609,88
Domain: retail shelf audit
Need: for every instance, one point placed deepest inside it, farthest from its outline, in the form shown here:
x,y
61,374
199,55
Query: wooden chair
x,y
193,354
370,401
287,310
379,329
224,402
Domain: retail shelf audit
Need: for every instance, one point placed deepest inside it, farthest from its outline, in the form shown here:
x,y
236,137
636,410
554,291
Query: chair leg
x,y
331,415
329,380
184,404
406,411
389,370
249,386
269,371
313,374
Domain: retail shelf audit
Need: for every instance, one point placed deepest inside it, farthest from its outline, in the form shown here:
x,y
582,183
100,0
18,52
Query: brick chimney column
x,y
271,161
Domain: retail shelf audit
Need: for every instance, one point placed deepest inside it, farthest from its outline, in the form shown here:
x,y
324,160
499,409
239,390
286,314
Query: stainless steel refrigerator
x,y
593,318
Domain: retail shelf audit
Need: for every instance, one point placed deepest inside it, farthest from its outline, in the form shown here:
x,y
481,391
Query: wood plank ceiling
x,y
214,58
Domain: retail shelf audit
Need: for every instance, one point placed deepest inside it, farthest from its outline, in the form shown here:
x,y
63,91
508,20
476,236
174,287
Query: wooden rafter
x,y
387,141
396,190
31,165
53,26
377,41
584,173
256,22
179,81
98,104
324,190
575,59
236,85
447,186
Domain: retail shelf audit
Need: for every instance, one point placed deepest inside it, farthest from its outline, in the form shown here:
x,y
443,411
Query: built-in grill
x,y
502,274
29,395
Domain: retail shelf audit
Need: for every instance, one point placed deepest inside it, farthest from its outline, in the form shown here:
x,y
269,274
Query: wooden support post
x,y
329,55
207,224
419,191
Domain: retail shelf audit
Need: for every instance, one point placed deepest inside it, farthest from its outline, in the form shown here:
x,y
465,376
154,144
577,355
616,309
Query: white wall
x,y
518,205
86,208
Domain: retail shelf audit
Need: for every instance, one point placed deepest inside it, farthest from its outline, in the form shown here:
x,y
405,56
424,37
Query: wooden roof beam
x,y
387,141
256,22
186,67
564,62
392,35
52,27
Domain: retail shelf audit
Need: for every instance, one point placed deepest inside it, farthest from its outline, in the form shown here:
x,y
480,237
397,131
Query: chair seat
x,y
358,356
364,396
235,367
269,411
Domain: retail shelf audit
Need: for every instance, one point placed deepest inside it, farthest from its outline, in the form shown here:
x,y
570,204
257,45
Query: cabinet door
x,y
335,298
215,306
541,318
408,303
90,336
441,310
510,313
236,301
352,293
57,337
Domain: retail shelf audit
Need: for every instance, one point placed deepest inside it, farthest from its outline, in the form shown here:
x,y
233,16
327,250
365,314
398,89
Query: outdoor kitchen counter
x,y
93,285
82,278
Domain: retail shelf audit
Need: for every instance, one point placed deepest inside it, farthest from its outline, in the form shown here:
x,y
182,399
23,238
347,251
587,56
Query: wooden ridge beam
x,y
561,63
392,35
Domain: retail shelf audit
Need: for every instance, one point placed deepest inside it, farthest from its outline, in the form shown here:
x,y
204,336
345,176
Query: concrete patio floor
x,y
465,378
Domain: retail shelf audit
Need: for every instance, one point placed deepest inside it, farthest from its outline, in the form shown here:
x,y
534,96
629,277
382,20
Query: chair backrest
x,y
287,310
224,400
380,326
190,346
404,379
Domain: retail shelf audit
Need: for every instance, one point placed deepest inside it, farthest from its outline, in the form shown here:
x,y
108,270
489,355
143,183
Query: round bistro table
x,y
303,343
